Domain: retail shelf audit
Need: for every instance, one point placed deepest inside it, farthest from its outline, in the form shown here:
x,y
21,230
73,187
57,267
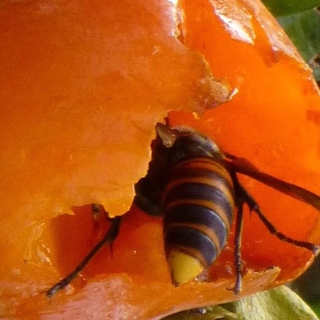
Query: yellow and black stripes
x,y
198,205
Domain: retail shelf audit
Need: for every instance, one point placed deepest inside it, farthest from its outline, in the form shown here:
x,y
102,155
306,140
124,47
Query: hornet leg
x,y
110,236
237,253
245,197
254,207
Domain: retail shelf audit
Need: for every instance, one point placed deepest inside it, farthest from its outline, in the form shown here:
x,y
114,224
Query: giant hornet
x,y
195,187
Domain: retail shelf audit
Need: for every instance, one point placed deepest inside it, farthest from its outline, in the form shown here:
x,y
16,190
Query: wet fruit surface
x,y
82,87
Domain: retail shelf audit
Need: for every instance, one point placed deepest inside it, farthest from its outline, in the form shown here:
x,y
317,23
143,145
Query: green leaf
x,y
285,7
276,304
210,313
303,30
316,307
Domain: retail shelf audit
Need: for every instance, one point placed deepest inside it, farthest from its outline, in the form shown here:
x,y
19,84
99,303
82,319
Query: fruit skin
x,y
82,86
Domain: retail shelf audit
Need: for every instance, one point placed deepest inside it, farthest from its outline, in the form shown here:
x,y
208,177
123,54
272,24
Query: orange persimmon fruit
x,y
82,85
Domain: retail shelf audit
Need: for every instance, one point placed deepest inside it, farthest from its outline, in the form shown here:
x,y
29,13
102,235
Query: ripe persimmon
x,y
82,85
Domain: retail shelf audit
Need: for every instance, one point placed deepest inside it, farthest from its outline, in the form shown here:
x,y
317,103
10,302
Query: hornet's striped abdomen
x,y
198,205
